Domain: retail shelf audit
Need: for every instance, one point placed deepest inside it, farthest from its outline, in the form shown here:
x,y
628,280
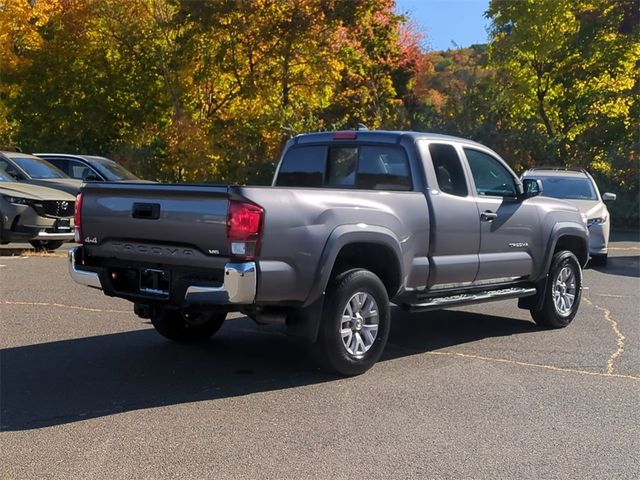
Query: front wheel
x,y
46,245
562,293
186,328
355,324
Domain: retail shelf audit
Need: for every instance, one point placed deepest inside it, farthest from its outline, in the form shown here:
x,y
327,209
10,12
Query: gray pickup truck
x,y
354,220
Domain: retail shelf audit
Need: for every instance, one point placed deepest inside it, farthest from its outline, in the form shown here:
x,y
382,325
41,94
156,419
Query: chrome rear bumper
x,y
239,286
55,236
90,279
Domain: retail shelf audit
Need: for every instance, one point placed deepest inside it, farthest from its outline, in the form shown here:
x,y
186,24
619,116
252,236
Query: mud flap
x,y
305,323
534,302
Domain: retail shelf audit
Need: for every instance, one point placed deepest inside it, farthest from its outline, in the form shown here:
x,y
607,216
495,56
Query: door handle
x,y
488,216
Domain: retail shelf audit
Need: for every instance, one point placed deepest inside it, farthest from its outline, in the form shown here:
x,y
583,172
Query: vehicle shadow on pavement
x,y
72,380
628,266
12,252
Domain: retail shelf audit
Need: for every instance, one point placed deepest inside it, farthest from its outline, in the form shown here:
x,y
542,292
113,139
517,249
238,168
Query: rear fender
x,y
348,234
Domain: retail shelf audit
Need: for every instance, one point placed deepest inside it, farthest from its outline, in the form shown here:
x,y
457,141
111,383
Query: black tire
x,y
46,245
330,351
559,316
191,328
599,260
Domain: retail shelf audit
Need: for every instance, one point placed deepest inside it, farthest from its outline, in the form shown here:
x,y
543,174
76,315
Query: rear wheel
x,y
355,324
46,245
182,327
562,293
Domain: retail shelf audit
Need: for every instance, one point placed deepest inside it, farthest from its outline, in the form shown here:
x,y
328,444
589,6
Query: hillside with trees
x,y
210,90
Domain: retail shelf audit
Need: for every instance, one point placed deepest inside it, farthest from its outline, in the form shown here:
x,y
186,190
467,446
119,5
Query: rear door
x,y
508,225
455,225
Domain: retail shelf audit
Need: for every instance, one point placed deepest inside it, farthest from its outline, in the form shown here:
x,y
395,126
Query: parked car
x,y
38,215
354,220
22,167
89,168
577,187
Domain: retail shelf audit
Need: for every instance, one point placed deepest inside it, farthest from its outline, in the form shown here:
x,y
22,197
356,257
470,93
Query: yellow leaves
x,y
600,165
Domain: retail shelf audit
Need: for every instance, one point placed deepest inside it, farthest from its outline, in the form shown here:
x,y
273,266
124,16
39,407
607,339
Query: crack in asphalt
x,y
619,336
607,315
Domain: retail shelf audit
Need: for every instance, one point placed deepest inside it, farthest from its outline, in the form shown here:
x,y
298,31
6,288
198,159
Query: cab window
x,y
79,170
383,168
302,167
490,176
448,168
369,167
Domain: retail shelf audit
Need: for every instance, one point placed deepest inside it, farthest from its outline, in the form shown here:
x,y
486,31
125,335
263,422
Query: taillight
x,y
244,229
77,219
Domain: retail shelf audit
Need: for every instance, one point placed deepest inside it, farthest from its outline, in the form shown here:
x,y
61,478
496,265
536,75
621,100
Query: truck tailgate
x,y
186,222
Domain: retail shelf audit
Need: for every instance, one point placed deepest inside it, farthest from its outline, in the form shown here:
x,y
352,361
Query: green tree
x,y
568,73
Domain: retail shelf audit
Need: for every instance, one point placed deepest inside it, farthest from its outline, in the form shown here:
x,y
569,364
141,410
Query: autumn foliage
x,y
184,90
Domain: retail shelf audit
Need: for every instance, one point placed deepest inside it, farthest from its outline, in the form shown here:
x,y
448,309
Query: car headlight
x,y
17,200
596,221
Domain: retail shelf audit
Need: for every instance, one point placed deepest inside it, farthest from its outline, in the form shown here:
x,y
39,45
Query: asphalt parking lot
x,y
88,390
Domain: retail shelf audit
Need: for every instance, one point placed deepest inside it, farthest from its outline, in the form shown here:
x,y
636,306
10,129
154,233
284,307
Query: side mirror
x,y
532,187
91,177
608,197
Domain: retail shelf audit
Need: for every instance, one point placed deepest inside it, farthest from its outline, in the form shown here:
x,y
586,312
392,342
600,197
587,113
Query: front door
x,y
508,226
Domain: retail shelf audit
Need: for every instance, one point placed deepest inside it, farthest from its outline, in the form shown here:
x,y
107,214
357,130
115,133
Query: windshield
x,y
37,168
110,169
568,188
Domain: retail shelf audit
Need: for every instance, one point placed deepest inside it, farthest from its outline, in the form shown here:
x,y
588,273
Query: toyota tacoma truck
x,y
353,221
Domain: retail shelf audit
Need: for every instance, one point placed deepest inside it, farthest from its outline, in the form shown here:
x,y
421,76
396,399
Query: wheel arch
x,y
372,248
566,236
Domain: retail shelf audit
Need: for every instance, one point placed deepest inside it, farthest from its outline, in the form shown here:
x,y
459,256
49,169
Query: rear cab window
x,y
448,169
362,166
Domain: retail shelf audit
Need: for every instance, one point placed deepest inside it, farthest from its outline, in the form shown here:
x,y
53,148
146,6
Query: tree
x,y
567,70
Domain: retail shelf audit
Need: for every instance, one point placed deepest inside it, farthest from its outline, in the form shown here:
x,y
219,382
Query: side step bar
x,y
470,298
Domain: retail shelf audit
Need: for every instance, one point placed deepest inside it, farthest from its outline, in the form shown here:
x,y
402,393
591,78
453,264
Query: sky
x,y
447,21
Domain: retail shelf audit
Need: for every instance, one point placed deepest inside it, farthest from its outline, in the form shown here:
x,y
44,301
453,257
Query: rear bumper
x,y
239,284
54,236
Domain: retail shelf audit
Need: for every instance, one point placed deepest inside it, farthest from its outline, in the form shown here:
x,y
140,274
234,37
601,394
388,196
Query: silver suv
x,y
577,187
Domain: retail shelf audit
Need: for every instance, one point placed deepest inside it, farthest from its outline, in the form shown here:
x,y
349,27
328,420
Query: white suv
x,y
577,187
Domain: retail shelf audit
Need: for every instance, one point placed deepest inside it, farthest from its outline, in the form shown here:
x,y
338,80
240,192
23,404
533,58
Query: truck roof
x,y
382,136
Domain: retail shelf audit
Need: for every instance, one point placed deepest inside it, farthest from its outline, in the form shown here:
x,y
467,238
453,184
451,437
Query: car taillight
x,y
244,229
77,219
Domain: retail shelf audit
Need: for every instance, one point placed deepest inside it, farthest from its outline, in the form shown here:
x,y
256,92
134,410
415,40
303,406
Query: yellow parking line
x,y
535,365
60,305
608,373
